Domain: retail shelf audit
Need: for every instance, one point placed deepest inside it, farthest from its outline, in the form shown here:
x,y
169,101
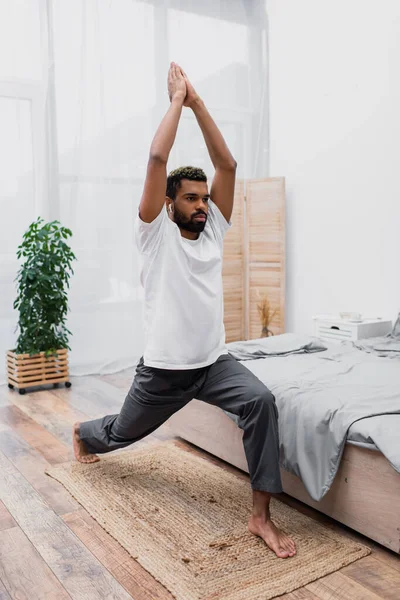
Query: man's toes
x,y
289,543
289,547
88,458
282,553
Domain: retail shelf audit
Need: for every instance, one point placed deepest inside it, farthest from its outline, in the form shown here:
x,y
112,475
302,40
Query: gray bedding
x,y
279,345
323,397
381,346
387,346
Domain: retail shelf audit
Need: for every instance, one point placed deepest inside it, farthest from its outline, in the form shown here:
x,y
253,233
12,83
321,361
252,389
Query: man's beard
x,y
189,224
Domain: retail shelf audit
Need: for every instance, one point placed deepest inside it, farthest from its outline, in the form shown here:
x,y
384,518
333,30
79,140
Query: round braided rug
x,y
184,520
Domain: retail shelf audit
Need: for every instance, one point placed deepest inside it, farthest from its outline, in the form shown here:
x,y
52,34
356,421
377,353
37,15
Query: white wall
x,y
335,136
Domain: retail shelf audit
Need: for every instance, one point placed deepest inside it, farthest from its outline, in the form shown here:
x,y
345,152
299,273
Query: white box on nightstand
x,y
335,329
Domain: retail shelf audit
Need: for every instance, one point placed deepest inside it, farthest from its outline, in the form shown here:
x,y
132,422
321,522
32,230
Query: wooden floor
x,y
50,548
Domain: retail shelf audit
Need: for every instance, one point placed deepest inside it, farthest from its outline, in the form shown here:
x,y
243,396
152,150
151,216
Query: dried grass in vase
x,y
266,316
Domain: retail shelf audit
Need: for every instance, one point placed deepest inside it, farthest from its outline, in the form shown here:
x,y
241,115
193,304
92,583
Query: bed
x,y
339,420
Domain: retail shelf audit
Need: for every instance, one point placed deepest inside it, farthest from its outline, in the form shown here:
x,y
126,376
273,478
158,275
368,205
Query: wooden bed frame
x,y
365,494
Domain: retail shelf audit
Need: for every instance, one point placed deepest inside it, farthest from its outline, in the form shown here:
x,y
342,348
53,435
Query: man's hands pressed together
x,y
177,88
178,84
191,94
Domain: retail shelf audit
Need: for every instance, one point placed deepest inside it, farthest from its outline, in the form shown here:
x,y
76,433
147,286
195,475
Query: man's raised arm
x,y
223,185
153,197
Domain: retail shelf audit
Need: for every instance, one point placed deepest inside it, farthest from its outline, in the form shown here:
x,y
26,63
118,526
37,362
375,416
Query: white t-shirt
x,y
182,280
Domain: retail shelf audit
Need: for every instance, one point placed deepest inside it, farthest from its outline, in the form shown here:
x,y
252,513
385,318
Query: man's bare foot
x,y
279,542
80,451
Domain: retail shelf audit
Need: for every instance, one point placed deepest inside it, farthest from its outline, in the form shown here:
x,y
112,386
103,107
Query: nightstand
x,y
332,328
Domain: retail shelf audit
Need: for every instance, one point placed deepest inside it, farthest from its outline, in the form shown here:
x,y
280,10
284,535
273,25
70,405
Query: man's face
x,y
190,208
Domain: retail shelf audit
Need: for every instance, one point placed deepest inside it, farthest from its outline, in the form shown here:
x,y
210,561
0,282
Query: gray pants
x,y
156,394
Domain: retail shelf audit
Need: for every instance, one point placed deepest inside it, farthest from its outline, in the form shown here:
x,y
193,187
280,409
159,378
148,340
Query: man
x,y
180,238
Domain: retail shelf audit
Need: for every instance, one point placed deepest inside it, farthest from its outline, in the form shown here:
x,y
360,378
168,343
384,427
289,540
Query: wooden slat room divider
x,y
233,270
254,258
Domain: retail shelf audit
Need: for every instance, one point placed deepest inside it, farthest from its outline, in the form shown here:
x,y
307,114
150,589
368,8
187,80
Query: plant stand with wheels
x,y
26,371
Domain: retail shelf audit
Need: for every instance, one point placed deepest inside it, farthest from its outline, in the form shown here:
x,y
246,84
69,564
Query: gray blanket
x,y
319,396
387,346
279,345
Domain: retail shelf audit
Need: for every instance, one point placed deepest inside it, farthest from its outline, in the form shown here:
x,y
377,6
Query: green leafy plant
x,y
42,299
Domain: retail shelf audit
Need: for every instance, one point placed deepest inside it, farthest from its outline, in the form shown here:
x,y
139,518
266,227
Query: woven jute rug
x,y
184,520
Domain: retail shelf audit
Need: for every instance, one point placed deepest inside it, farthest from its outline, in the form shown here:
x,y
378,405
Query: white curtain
x,y
82,91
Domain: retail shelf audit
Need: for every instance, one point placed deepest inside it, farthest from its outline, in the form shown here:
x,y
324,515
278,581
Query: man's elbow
x,y
229,165
158,158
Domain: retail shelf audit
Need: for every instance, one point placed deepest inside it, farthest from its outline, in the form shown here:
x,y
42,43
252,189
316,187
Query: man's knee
x,y
265,401
267,398
259,401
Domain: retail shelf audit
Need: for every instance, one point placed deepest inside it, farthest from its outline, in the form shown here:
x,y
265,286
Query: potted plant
x,y
41,354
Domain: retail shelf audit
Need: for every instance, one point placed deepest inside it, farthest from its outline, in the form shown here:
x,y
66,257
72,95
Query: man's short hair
x,y
175,177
